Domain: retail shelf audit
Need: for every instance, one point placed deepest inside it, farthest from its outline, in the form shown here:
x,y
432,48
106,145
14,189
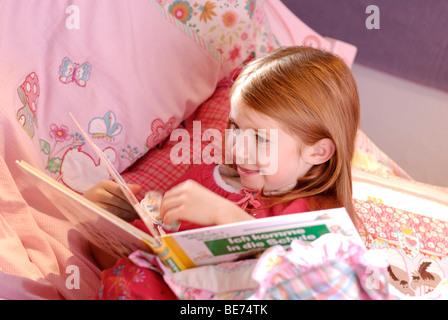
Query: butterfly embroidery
x,y
70,71
105,127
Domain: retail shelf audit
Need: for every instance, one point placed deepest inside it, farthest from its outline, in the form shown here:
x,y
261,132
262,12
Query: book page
x,y
146,217
110,233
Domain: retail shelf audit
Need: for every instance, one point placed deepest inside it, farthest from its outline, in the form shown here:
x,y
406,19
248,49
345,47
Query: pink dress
x,y
127,281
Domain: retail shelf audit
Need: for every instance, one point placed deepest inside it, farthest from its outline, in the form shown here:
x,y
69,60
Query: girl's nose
x,y
245,148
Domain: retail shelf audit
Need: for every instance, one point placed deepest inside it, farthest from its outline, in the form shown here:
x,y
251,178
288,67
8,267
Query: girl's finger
x,y
127,215
116,202
135,188
172,215
175,191
169,202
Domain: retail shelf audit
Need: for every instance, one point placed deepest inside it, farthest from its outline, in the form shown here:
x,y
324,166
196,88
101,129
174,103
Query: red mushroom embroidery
x,y
29,95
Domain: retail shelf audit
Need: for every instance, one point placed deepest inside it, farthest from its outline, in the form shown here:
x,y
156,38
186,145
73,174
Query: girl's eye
x,y
261,139
233,125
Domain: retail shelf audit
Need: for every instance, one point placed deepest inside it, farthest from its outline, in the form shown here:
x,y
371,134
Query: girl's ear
x,y
320,152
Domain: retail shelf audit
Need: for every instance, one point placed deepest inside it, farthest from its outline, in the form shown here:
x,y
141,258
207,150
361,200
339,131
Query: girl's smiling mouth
x,y
246,172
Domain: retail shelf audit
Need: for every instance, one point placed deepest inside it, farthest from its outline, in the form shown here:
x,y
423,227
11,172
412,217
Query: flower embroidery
x,y
118,270
59,133
234,53
207,11
229,18
160,131
407,251
130,153
138,276
181,10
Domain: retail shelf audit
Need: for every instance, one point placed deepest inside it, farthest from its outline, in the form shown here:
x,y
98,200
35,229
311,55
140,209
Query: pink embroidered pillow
x,y
155,170
129,71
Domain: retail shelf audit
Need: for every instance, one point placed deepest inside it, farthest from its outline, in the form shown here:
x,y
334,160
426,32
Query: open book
x,y
186,249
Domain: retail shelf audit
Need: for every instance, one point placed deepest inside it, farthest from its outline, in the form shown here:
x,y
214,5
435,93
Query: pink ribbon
x,y
249,198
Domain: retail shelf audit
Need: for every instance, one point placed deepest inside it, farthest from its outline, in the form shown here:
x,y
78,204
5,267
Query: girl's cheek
x,y
268,158
230,148
263,156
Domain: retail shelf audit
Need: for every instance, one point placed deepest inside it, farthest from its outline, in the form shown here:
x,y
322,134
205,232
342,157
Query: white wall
x,y
408,121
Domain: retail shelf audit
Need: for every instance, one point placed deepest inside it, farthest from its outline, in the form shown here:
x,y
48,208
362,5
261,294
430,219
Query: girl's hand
x,y
190,201
108,195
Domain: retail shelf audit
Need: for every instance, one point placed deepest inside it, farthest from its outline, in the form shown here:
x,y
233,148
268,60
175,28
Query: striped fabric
x,y
329,268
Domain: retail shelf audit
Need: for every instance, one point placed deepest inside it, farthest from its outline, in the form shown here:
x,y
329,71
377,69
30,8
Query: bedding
x,y
124,120
332,267
155,171
116,73
408,222
116,67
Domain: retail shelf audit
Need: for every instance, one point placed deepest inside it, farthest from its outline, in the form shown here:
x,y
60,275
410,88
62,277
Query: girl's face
x,y
266,155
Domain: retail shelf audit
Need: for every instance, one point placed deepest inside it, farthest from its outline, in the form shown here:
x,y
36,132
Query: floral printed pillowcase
x,y
235,29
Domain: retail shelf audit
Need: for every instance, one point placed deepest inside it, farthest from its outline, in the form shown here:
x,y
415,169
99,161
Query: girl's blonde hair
x,y
313,93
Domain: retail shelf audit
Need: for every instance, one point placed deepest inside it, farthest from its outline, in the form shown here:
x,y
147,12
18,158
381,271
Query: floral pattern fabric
x,y
127,281
234,29
331,267
415,245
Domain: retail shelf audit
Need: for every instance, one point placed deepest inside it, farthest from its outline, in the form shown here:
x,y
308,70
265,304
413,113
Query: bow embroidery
x,y
249,198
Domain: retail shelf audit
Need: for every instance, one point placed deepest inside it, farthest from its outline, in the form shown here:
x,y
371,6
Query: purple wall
x,y
412,41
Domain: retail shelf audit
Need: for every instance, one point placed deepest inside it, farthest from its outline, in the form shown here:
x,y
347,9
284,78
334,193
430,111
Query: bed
x,y
133,71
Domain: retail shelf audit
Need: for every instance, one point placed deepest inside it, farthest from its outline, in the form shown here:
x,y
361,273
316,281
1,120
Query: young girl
x,y
302,104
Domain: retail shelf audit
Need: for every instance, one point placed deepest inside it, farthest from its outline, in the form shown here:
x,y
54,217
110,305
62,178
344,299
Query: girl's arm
x,y
190,201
